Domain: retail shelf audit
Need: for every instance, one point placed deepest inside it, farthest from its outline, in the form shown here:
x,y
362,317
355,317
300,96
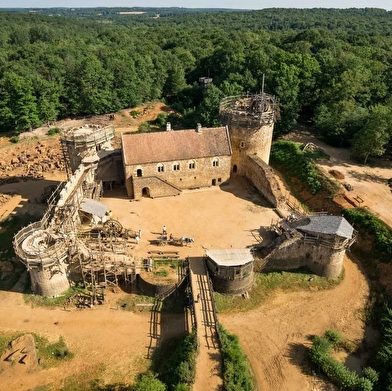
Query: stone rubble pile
x,y
32,161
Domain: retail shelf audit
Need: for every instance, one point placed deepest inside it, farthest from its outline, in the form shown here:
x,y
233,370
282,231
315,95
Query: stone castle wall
x,y
232,287
294,253
110,167
49,282
202,175
263,178
246,141
152,289
156,186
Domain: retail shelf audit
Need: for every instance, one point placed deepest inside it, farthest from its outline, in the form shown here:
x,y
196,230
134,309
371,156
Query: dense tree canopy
x,y
331,67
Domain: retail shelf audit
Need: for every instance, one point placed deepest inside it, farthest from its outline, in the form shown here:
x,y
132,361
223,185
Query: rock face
x,y
21,355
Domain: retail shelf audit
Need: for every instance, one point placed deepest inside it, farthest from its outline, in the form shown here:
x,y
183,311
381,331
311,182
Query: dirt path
x,y
369,182
275,335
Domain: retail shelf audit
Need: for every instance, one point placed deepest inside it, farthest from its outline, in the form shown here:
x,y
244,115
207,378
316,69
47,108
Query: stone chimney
x,y
168,126
198,128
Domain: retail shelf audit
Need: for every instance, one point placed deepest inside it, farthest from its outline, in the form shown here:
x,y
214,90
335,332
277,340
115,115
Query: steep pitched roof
x,y
328,225
156,147
232,257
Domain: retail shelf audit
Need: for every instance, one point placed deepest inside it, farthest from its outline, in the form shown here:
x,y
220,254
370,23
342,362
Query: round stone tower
x,y
250,120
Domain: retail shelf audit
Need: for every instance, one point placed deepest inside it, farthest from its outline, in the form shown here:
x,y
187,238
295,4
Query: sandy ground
x,y
108,343
275,336
369,182
113,345
226,217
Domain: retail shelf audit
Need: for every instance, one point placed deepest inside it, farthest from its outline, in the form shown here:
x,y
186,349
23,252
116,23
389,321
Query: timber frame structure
x,y
76,239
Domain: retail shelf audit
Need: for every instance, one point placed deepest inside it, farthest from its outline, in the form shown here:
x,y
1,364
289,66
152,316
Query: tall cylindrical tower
x,y
250,120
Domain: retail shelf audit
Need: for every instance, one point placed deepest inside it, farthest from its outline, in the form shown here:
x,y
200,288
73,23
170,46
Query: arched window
x,y
191,164
139,172
215,162
176,166
160,167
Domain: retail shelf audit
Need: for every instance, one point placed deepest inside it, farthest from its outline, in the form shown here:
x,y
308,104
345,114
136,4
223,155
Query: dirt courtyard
x,y
216,218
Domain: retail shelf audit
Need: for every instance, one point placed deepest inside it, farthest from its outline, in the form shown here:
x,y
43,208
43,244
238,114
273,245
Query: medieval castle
x,y
161,164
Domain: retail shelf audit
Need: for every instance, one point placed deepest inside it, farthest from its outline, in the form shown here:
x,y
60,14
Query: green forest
x,y
330,68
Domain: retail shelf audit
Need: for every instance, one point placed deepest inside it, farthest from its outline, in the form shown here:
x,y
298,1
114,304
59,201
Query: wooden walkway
x,y
209,363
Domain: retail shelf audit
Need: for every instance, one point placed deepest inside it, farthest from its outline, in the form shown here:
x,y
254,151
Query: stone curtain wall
x,y
295,253
152,289
263,178
110,167
288,255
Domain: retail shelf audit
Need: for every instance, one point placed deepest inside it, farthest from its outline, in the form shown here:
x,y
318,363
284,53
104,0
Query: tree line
x,y
331,68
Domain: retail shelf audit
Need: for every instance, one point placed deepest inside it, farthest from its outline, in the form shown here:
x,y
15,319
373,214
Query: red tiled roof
x,y
166,146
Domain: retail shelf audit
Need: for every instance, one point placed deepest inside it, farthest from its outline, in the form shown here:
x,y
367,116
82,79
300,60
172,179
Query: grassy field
x,y
49,353
266,284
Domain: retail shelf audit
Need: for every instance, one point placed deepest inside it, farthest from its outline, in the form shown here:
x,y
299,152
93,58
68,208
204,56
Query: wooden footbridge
x,y
209,363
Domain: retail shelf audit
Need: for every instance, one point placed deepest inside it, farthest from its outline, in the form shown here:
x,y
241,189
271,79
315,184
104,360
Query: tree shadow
x,y
365,177
31,207
241,187
298,355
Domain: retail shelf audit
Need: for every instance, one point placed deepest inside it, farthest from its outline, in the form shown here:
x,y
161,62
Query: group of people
x,y
164,234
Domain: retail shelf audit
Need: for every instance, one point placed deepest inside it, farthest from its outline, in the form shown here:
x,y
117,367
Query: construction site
x,y
76,240
88,233
79,241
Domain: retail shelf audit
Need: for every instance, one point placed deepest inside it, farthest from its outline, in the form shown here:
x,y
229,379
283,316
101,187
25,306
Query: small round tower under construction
x,y
44,253
250,120
77,143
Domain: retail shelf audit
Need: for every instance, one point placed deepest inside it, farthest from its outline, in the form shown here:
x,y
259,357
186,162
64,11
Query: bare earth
x,y
275,335
368,182
112,345
108,343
